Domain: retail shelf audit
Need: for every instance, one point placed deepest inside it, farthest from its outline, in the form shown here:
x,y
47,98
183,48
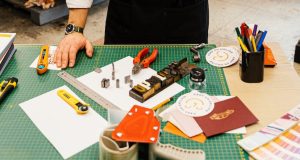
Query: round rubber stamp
x,y
222,56
195,104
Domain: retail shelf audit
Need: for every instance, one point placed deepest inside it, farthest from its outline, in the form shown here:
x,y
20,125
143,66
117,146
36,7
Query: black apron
x,y
157,22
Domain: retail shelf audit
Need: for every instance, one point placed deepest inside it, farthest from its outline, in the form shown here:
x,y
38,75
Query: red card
x,y
226,115
139,125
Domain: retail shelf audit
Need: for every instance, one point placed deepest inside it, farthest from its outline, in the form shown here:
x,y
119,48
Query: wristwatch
x,y
70,28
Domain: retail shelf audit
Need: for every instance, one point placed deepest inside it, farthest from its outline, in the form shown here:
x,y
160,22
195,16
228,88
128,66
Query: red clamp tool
x,y
140,62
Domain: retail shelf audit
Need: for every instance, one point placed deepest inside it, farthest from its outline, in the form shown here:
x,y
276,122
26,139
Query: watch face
x,y
69,28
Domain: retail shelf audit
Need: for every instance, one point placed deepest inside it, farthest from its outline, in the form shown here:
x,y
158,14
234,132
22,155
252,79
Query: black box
x,y
297,53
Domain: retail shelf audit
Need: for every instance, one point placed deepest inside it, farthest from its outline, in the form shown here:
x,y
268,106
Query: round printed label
x,y
195,104
222,56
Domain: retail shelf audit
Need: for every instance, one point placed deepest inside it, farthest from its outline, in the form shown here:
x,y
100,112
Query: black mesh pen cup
x,y
252,66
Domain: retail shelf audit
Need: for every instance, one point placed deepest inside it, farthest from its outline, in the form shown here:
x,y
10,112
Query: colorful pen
x,y
263,36
238,32
248,40
245,49
243,27
254,30
253,44
258,36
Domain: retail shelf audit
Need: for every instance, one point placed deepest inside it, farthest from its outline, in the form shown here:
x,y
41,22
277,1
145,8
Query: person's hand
x,y
65,54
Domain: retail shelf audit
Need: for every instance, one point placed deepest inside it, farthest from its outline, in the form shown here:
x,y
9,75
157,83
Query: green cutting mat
x,y
20,139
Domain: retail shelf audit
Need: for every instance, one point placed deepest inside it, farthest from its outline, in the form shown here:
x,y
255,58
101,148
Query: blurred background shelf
x,y
40,16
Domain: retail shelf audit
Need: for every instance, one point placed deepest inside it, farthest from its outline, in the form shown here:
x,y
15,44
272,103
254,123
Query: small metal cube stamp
x,y
105,83
98,70
131,83
118,83
127,79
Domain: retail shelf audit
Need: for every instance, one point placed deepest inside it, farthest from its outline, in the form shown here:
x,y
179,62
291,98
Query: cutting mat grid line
x,y
20,139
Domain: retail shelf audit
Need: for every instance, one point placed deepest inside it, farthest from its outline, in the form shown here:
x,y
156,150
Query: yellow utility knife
x,y
7,86
79,107
42,65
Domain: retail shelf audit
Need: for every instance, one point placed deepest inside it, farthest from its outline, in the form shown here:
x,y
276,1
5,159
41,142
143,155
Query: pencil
x,y
162,104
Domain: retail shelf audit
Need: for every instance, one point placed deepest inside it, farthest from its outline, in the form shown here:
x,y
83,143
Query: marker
x,y
238,32
243,29
249,32
253,43
248,40
254,30
245,49
263,36
258,36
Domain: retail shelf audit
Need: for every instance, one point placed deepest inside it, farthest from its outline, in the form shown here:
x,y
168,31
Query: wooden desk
x,y
297,68
270,99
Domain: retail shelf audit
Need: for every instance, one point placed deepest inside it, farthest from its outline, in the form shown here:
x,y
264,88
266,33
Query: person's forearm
x,y
78,16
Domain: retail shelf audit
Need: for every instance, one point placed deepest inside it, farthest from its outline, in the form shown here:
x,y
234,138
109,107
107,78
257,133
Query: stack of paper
x,y
6,49
278,140
187,127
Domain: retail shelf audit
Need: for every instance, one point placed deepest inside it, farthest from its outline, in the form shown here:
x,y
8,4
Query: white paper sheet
x,y
185,123
51,65
120,96
67,131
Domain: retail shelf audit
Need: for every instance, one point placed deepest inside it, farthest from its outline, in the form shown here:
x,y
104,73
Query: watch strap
x,y
78,29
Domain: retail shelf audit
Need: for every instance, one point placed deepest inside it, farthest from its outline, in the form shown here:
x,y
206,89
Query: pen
x,y
162,104
253,43
243,27
263,36
254,30
238,32
249,31
245,49
248,40
258,36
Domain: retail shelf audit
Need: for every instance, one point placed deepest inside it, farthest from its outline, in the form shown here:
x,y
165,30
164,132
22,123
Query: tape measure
x,y
85,90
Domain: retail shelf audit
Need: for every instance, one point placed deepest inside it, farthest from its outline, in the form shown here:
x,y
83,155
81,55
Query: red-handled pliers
x,y
141,62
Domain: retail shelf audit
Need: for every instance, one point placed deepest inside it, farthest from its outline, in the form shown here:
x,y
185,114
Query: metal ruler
x,y
85,90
